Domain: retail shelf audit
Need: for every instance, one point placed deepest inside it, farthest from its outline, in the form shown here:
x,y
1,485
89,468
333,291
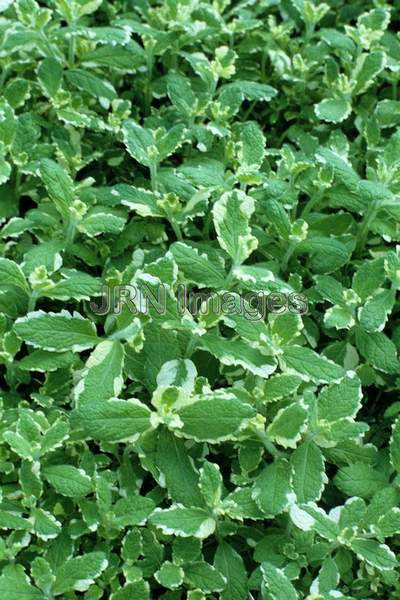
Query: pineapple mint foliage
x,y
229,146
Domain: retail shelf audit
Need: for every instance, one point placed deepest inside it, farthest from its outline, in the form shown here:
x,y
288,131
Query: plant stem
x,y
176,228
17,184
72,46
70,231
207,225
190,348
149,91
287,256
268,445
311,204
32,300
3,76
153,176
365,224
394,90
249,111
229,278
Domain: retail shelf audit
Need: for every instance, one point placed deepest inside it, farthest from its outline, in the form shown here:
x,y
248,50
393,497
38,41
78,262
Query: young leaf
x,y
231,214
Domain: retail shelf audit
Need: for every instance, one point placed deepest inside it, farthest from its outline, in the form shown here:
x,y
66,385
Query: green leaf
x,y
368,67
181,94
378,350
133,510
139,143
360,479
59,185
42,360
311,366
308,472
277,583
169,141
198,267
74,284
19,444
184,522
56,332
177,467
113,420
45,525
310,517
374,314
281,386
91,84
230,564
272,488
101,378
80,572
144,202
204,577
327,254
375,554
251,145
210,483
340,400
288,425
170,576
50,75
231,215
333,110
253,90
68,480
395,445
237,352
11,275
180,372
369,276
14,585
229,416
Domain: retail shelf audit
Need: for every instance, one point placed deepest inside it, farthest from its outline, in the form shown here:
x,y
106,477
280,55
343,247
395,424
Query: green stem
x,y
394,90
11,377
70,231
229,278
32,300
46,42
249,111
311,204
207,225
177,229
287,256
72,47
17,186
264,58
190,348
3,76
153,177
268,445
149,90
366,223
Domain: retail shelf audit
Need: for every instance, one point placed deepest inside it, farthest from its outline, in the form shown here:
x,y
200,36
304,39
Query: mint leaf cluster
x,y
233,149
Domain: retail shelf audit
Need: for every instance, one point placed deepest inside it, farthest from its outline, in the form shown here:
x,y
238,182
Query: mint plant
x,y
229,149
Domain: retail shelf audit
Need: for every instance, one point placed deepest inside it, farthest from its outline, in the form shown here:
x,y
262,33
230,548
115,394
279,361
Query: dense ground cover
x,y
234,148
